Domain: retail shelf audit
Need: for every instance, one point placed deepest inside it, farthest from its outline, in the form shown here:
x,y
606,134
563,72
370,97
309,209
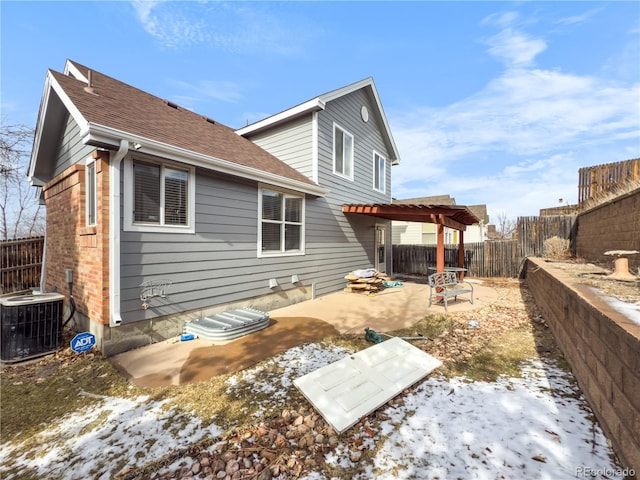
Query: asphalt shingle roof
x,y
116,105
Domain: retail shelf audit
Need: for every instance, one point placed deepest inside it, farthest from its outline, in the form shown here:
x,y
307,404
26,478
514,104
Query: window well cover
x,y
355,386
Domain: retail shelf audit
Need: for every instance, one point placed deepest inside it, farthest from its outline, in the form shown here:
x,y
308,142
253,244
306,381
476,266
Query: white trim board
x,y
355,386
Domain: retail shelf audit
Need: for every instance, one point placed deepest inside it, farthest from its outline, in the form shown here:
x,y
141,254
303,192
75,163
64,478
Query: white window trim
x,y
383,174
280,253
333,151
129,224
88,223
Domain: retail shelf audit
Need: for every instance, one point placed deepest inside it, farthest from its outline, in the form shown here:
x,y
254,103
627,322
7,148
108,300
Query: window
x,y
281,229
342,152
159,197
379,177
91,196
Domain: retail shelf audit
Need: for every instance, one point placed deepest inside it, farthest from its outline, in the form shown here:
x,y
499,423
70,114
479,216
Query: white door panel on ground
x,y
355,386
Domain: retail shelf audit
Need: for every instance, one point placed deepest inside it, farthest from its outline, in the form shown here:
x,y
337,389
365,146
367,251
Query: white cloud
x,y
500,19
523,111
582,18
516,144
237,26
624,64
515,48
172,30
220,90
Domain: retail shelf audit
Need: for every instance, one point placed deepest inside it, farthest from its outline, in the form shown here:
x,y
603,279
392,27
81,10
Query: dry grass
x,y
34,395
37,394
503,355
557,248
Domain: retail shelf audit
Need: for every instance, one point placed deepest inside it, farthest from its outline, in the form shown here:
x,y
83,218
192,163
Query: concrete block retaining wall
x,y
614,225
603,348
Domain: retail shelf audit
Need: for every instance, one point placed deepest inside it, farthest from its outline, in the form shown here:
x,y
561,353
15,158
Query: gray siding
x,y
345,111
213,266
291,143
71,150
219,263
357,248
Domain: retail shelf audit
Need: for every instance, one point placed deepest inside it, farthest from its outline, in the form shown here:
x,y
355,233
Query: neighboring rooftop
x,y
479,211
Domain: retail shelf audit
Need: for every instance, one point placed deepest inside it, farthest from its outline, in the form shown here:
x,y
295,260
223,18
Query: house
x,y
159,215
414,233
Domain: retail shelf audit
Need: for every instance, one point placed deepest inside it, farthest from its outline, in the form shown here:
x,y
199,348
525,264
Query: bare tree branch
x,y
20,212
505,227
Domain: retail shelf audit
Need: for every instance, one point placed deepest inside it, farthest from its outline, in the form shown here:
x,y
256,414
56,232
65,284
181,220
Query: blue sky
x,y
496,103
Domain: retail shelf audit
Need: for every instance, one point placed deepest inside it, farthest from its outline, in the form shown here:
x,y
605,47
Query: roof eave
x,y
308,107
105,137
35,149
51,85
319,103
367,83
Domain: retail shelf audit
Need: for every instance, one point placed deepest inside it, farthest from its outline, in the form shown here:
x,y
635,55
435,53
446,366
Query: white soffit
x,y
355,386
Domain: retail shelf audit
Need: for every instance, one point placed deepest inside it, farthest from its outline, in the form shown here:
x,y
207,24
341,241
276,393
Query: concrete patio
x,y
388,310
172,362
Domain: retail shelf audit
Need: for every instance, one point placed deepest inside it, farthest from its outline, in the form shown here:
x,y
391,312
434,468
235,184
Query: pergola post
x,y
461,255
440,249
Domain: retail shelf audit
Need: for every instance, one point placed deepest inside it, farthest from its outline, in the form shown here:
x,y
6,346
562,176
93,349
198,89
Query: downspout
x,y
43,263
115,319
43,268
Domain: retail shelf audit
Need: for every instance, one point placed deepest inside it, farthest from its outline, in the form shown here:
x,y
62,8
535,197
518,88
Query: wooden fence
x,y
533,231
21,264
503,258
600,179
482,259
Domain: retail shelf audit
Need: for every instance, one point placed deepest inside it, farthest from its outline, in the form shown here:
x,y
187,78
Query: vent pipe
x,y
89,87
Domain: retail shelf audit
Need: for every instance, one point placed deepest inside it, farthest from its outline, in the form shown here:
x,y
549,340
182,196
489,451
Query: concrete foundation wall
x,y
114,340
603,348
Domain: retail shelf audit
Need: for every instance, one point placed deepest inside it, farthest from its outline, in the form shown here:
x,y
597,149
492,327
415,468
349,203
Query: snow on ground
x,y
532,427
535,427
100,441
294,363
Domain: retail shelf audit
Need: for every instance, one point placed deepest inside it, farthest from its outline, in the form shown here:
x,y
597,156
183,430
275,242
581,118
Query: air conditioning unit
x,y
30,325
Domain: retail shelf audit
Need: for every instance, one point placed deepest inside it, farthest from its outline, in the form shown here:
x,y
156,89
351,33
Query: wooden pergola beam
x,y
392,212
450,222
441,215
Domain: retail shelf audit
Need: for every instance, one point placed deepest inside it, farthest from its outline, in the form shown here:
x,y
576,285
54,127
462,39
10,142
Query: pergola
x,y
456,217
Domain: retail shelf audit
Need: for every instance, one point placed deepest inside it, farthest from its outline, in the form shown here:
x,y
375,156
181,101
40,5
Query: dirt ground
x,y
482,344
597,276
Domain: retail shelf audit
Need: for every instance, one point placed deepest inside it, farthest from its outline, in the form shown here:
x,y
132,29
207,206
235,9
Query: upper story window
x,y
91,195
281,227
379,172
159,197
342,152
